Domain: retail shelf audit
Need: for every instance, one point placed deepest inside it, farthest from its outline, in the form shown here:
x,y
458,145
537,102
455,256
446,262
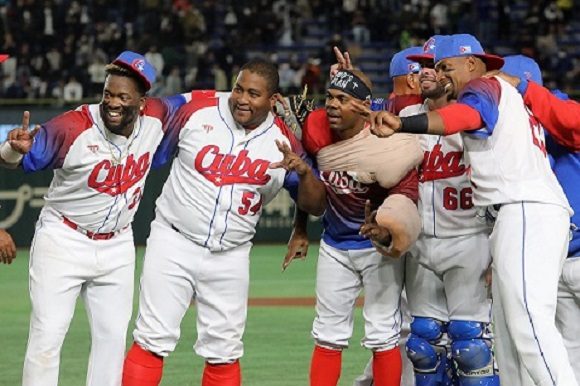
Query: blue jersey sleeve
x,y
483,95
167,108
54,139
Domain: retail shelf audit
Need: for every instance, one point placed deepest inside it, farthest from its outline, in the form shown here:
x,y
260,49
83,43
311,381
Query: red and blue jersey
x,y
99,176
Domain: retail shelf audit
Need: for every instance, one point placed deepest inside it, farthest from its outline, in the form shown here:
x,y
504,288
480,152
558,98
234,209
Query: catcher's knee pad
x,y
471,351
421,345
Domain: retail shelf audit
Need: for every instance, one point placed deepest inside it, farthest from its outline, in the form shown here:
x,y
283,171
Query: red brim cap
x,y
492,62
3,57
420,57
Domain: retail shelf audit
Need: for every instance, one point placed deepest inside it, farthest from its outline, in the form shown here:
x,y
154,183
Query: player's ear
x,y
471,63
142,103
412,81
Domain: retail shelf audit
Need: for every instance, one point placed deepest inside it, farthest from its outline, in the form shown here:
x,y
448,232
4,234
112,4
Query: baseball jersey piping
x,y
525,292
102,133
231,131
232,187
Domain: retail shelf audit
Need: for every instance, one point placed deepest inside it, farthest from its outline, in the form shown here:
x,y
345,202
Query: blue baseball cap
x,y
428,50
522,67
137,63
400,65
451,46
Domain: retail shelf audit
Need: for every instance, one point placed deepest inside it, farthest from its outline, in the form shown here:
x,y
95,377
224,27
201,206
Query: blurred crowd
x,y
58,48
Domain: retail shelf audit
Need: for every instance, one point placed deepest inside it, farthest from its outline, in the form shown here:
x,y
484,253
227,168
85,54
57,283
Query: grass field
x,y
277,340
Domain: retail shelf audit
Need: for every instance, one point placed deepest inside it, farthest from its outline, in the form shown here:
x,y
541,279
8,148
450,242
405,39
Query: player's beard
x,y
128,116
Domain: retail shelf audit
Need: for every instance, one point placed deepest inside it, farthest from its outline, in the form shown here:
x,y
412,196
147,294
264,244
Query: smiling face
x,y
430,87
251,100
120,104
454,73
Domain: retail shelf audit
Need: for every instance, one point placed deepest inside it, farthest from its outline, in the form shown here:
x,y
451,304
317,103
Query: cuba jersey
x,y
98,176
220,179
445,193
346,197
508,155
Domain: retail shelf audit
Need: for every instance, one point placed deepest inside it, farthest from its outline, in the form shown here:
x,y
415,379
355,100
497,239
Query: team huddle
x,y
450,205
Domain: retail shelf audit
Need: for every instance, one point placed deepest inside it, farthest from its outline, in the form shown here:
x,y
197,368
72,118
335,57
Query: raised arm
x,y
19,142
311,191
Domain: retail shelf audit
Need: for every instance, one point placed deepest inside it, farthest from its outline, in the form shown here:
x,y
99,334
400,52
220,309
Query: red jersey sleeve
x,y
561,118
316,132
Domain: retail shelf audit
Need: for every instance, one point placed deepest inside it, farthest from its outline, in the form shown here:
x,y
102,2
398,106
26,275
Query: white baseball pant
x,y
529,243
63,265
568,311
340,277
177,271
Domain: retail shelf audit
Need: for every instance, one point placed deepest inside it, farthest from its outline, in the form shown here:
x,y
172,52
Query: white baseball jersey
x,y
508,156
99,176
220,179
445,192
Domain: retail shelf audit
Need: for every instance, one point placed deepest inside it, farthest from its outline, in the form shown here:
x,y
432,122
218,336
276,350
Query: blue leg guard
x,y
426,349
471,351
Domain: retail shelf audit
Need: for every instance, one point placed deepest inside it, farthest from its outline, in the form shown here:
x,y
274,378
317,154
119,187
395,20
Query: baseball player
x,y
404,74
445,278
83,244
510,173
565,163
200,240
351,170
7,246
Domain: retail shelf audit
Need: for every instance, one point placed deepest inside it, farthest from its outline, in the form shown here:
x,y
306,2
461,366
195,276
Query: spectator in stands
x,y
154,57
73,90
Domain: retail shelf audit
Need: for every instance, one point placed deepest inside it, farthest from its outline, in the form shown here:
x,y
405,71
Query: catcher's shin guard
x,y
472,353
325,366
387,367
222,374
427,350
142,367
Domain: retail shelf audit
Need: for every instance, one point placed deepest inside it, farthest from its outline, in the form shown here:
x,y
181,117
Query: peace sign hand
x,y
342,62
379,236
291,161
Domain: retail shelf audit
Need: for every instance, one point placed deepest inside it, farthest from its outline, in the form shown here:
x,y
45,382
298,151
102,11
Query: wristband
x,y
416,124
9,155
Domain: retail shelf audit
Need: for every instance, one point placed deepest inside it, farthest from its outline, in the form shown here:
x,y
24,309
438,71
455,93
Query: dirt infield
x,y
289,302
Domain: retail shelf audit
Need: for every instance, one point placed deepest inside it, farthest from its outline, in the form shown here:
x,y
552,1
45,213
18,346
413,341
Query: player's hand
x,y
384,124
7,247
291,161
21,138
342,62
280,99
380,236
297,247
488,276
513,80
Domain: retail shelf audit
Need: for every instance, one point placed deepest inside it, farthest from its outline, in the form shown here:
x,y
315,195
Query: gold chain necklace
x,y
117,160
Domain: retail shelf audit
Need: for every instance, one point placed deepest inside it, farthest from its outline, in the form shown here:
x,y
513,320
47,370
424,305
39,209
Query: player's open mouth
x,y
114,116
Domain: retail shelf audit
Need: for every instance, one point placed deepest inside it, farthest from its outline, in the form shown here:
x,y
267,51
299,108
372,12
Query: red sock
x,y
325,366
387,367
142,367
222,374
